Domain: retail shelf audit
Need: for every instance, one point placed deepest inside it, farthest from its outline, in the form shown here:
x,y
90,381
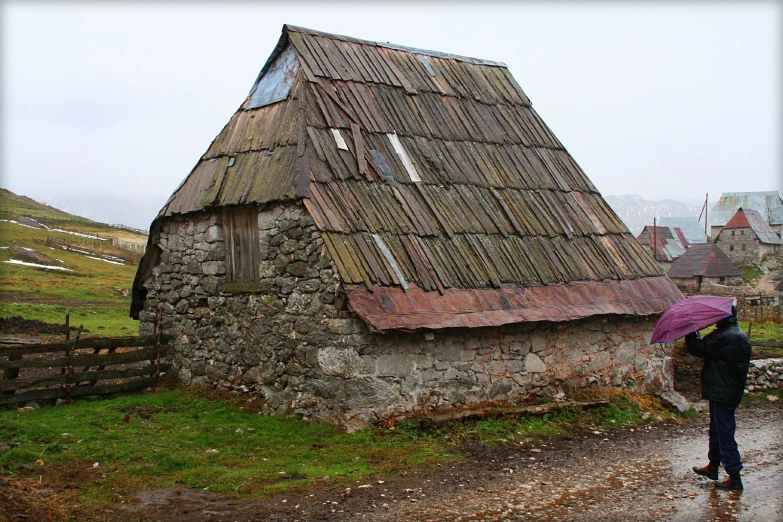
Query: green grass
x,y
98,321
750,274
767,330
91,291
170,438
88,279
177,438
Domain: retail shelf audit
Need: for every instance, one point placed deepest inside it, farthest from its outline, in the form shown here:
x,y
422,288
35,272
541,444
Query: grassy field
x,y
95,292
178,438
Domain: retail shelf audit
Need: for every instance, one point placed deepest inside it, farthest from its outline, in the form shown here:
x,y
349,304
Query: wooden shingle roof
x,y
705,259
442,196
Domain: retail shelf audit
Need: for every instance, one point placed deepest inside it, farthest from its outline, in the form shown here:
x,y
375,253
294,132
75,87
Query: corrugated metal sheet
x,y
445,180
768,204
690,227
706,260
391,308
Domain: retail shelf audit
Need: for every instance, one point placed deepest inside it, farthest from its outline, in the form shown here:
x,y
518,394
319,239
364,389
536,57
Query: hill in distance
x,y
54,264
637,212
13,206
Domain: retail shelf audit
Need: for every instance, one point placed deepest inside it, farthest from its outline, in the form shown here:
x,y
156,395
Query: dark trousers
x,y
723,447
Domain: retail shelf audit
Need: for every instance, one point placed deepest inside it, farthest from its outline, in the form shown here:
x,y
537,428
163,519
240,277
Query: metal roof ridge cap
x,y
396,47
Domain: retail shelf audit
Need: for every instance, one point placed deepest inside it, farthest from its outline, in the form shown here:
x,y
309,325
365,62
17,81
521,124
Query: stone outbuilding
x,y
747,238
704,264
380,231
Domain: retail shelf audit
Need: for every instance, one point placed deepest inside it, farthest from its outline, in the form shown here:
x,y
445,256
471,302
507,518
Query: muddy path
x,y
640,473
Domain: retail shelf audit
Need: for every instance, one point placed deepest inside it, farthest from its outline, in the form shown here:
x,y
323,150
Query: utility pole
x,y
705,210
655,221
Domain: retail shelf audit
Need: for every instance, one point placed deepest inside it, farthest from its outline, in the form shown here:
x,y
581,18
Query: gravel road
x,y
625,474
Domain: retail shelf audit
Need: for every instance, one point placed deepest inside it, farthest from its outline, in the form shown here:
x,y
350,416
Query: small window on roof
x,y
743,247
732,232
731,248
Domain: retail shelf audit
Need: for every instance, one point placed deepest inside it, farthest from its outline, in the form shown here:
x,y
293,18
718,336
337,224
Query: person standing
x,y
726,352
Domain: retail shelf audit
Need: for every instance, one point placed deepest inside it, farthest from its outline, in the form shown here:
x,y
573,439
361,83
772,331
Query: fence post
x,y
67,326
69,371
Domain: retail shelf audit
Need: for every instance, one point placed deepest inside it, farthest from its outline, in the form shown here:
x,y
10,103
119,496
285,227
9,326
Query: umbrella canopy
x,y
690,315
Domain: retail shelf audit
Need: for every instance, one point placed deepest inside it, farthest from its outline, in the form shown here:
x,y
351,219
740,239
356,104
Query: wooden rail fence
x,y
80,367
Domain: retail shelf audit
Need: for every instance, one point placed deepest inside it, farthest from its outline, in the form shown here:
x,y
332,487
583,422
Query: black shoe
x,y
733,482
710,471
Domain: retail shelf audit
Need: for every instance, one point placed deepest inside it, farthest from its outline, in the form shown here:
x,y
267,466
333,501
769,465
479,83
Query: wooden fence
x,y
759,308
35,371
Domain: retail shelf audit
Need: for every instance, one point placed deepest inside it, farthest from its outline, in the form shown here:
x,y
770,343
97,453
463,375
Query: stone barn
x,y
703,266
381,230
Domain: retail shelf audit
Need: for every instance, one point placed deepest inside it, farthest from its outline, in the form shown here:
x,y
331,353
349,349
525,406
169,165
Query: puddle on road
x,y
626,481
761,448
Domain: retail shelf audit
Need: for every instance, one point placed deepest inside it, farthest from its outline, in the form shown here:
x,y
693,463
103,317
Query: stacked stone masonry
x,y
765,374
743,246
296,345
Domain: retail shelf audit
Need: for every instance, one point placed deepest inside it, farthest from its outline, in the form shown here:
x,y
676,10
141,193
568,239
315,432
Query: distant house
x,y
704,263
689,226
664,244
767,204
380,230
747,237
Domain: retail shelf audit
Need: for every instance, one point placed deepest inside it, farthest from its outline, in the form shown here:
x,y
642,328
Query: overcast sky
x,y
106,107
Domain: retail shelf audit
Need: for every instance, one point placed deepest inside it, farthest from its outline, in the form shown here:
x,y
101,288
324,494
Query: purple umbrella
x,y
690,315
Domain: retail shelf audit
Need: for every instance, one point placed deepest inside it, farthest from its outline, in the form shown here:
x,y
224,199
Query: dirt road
x,y
621,475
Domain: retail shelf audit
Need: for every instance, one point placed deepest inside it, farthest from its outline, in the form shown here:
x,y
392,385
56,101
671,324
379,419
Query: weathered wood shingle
x,y
429,168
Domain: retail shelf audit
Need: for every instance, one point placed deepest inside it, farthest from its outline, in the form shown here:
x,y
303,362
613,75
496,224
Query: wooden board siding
x,y
242,244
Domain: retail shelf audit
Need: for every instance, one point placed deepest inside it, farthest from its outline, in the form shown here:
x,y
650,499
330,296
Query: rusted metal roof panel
x,y
391,308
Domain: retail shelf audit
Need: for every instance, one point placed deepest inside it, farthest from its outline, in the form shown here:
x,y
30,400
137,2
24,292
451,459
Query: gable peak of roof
x,y
287,28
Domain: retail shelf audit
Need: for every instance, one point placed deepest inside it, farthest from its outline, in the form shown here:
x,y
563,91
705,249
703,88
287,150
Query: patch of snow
x,y
106,260
20,224
17,262
88,236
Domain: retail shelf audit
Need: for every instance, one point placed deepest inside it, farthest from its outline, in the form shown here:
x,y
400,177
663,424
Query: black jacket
x,y
726,354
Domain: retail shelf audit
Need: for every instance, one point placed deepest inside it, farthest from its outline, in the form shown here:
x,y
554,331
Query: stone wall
x,y
296,346
765,374
743,248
